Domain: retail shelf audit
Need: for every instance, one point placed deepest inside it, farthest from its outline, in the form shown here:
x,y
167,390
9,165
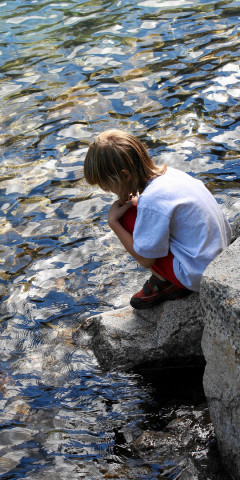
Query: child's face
x,y
122,190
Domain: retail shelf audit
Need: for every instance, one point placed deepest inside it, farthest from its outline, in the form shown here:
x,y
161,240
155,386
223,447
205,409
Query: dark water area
x,y
169,72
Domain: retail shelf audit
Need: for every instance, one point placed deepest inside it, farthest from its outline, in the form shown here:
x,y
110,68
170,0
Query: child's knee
x,y
128,219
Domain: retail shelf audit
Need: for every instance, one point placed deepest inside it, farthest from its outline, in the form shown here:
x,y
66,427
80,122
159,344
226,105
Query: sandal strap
x,y
154,282
146,288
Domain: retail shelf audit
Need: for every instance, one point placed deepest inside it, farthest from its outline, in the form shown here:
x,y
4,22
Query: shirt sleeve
x,y
151,233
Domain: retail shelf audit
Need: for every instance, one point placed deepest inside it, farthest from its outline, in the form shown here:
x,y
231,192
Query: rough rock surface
x,y
220,299
236,228
168,334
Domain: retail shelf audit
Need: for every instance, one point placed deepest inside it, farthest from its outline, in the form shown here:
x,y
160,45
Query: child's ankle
x,y
157,275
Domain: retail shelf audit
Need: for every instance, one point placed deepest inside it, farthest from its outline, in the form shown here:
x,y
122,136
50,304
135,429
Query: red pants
x,y
164,265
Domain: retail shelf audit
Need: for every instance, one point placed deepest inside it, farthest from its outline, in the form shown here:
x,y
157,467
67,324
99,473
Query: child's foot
x,y
155,291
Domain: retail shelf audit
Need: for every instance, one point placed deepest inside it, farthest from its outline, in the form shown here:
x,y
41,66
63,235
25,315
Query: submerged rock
x,y
168,334
186,446
220,298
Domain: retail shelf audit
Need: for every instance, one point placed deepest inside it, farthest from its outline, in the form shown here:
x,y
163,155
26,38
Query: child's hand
x,y
133,200
117,210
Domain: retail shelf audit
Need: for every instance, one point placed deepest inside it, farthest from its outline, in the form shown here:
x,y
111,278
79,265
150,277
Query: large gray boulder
x,y
168,334
220,299
236,227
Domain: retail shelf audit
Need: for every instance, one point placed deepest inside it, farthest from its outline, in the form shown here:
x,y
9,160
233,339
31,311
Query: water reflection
x,y
168,72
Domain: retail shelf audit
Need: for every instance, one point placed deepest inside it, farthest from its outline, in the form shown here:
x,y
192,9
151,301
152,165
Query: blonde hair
x,y
116,150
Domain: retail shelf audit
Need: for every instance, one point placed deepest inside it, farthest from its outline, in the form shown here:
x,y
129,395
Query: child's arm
x,y
115,213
